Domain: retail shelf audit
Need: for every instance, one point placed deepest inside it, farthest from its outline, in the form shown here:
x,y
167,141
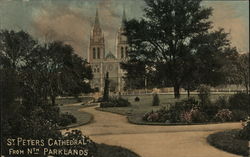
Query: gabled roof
x,y
110,55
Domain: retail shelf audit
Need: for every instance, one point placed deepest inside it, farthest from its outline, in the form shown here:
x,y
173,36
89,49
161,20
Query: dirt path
x,y
154,141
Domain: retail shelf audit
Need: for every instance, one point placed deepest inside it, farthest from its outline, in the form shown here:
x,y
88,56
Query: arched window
x,y
94,53
122,52
98,70
98,53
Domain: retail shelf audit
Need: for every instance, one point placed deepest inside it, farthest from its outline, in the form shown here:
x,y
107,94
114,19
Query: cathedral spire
x,y
124,19
97,22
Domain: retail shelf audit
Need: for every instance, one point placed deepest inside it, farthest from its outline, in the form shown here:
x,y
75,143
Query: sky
x,y
71,20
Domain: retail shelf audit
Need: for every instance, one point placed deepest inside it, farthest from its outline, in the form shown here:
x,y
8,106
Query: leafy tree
x,y
174,42
242,73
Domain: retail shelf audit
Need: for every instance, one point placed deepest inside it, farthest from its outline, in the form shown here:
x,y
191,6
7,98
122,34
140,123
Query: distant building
x,y
102,62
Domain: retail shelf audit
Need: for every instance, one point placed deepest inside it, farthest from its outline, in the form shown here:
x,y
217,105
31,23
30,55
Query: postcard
x,y
124,78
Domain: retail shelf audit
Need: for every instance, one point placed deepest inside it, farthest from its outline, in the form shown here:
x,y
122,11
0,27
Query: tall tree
x,y
172,41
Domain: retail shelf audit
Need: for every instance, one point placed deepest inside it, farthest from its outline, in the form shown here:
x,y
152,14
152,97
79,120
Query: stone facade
x,y
102,62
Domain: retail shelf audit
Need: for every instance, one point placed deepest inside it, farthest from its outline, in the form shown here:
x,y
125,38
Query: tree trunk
x,y
188,92
247,88
177,91
53,100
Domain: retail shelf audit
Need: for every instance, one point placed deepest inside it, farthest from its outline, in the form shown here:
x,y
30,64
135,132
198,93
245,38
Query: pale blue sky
x,y
71,20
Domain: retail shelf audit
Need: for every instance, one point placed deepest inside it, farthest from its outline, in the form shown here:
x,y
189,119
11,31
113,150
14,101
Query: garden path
x,y
154,141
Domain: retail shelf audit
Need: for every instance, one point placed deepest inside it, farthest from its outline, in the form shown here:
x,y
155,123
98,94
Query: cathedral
x,y
102,62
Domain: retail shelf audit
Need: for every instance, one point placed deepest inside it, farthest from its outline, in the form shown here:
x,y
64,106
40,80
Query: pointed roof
x,y
97,22
110,55
124,18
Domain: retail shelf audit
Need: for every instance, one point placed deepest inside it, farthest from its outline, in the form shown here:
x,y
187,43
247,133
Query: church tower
x,y
97,42
122,45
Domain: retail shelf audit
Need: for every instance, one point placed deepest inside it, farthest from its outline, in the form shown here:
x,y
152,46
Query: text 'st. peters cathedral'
x,y
101,63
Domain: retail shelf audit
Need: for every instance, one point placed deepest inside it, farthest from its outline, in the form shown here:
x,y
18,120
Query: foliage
x,y
173,44
156,100
106,88
66,119
223,115
204,95
239,115
194,116
89,146
137,99
240,101
116,102
156,116
43,70
245,132
229,141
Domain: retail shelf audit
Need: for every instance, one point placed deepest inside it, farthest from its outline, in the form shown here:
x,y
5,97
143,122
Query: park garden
x,y
172,45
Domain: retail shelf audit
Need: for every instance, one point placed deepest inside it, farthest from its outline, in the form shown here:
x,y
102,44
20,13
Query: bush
x,y
245,132
106,104
239,115
229,141
66,119
223,115
221,102
88,145
160,115
240,101
156,100
175,111
204,94
193,116
137,99
116,102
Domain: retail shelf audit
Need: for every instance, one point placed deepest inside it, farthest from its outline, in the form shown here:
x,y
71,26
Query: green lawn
x,y
138,109
82,117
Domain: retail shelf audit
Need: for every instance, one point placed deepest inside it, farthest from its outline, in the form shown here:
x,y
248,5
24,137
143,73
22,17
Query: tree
x,y
174,42
242,70
106,88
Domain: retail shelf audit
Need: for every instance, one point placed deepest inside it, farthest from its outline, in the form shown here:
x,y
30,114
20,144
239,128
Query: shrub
x,y
198,116
245,132
156,116
239,115
221,102
88,146
66,119
223,115
186,117
137,99
240,101
116,102
204,94
106,104
156,100
175,111
194,115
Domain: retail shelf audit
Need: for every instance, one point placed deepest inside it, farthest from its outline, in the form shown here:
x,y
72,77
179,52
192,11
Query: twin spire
x,y
97,21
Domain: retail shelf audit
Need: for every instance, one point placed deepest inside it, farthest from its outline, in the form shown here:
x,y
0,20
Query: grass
x,y
104,150
138,109
229,141
72,100
82,117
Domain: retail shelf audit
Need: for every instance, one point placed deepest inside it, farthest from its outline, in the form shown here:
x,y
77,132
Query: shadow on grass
x,y
229,141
